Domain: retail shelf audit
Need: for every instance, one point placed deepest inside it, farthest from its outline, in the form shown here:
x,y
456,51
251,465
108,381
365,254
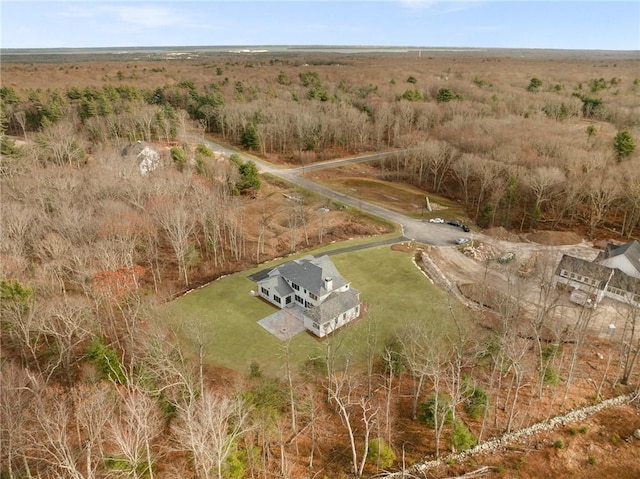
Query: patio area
x,y
284,323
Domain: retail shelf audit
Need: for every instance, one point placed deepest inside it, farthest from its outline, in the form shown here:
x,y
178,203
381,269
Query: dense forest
x,y
92,246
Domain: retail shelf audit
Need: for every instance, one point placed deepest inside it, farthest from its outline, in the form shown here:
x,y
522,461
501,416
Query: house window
x,y
295,286
277,299
616,291
299,299
265,291
572,275
313,296
288,300
563,272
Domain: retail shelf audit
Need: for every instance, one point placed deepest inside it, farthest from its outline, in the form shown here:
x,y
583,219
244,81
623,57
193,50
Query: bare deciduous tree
x,y
136,423
60,144
15,403
346,395
209,428
601,193
178,223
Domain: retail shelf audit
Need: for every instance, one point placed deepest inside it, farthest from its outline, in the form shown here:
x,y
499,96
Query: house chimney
x,y
328,283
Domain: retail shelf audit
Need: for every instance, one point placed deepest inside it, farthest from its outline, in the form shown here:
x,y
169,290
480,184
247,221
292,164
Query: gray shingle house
x,y
314,284
614,273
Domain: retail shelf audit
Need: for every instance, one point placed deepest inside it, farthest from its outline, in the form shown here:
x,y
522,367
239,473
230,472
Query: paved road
x,y
413,229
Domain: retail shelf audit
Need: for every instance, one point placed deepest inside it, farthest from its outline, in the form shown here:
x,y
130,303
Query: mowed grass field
x,y
224,314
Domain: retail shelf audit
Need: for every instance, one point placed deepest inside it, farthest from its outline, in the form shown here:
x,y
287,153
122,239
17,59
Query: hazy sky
x,y
602,25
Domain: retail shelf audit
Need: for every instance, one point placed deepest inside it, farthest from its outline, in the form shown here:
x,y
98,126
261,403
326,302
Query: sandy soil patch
x,y
555,238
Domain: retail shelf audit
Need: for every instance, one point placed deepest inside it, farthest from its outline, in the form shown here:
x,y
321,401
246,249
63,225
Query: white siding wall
x,y
581,286
622,263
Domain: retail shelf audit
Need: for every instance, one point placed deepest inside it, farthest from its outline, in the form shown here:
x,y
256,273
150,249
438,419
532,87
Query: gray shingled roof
x,y
278,284
630,250
623,281
584,268
334,305
309,273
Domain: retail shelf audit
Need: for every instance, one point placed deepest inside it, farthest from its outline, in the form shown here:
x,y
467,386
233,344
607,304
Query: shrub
x,y
204,150
549,351
15,294
436,407
283,79
485,216
558,444
584,430
412,95
381,453
8,147
236,465
178,156
476,403
534,84
551,376
590,105
592,460
479,82
269,395
106,360
445,94
463,438
597,84
309,78
315,366
254,370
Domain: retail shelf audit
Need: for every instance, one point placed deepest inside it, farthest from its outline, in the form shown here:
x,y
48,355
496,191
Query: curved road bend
x,y
413,229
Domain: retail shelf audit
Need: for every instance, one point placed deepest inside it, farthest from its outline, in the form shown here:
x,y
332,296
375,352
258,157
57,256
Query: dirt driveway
x,y
477,266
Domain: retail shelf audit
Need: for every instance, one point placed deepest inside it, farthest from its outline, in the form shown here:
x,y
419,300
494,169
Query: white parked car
x,y
436,220
462,240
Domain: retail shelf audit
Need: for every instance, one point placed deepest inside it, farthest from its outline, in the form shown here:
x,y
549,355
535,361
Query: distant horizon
x,y
259,48
593,25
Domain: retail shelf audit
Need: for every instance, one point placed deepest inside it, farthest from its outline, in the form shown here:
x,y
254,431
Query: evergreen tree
x,y
624,144
250,137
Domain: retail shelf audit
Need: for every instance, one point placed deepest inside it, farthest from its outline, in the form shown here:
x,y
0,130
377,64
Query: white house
x,y
625,257
148,159
615,273
316,286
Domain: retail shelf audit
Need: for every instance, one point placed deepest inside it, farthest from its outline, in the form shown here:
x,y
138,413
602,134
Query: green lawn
x,y
225,315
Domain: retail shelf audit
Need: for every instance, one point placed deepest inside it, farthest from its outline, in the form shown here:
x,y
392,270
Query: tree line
x,y
540,169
